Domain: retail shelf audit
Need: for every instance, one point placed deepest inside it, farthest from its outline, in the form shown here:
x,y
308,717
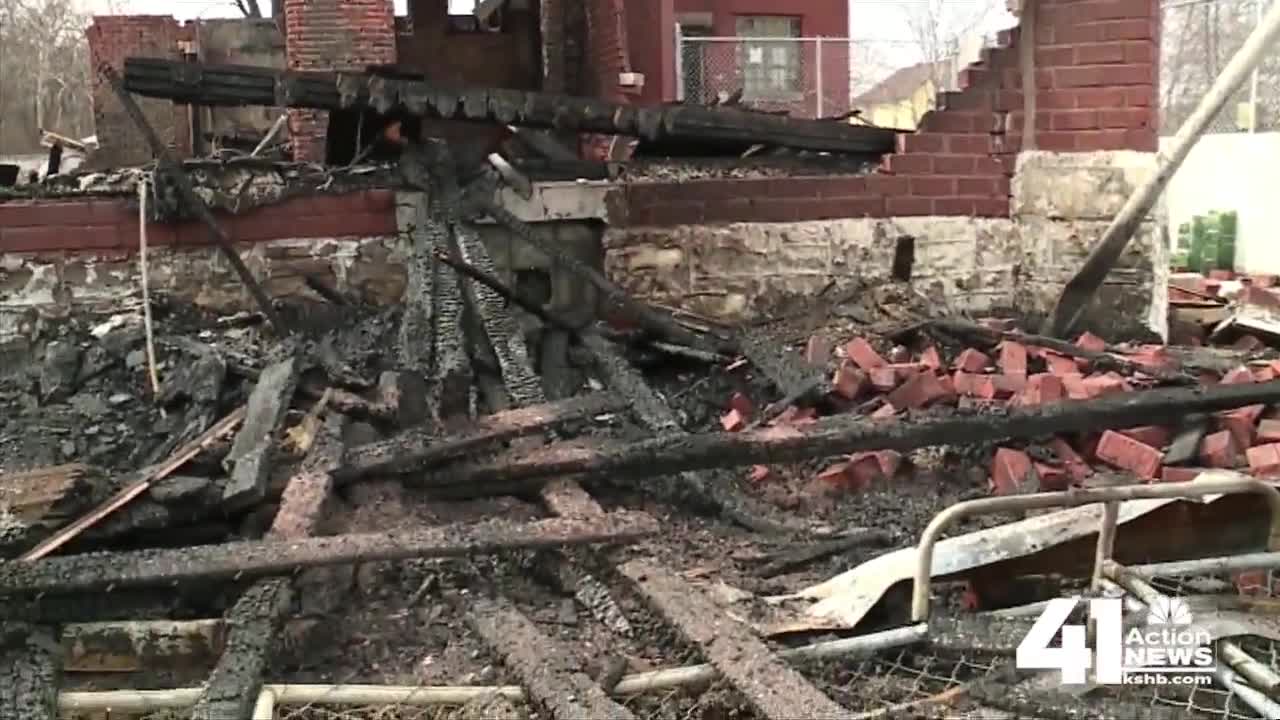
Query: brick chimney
x,y
333,35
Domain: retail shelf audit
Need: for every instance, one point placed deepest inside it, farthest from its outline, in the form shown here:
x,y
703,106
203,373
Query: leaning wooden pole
x,y
1081,288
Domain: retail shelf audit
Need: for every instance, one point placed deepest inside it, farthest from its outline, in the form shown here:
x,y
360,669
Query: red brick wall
x,y
1096,76
112,39
608,56
333,35
110,224
651,37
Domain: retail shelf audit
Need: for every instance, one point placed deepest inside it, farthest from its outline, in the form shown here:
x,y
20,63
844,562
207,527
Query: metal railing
x,y
803,76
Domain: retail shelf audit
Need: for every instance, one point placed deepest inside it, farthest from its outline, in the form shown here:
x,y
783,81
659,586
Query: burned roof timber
x,y
207,84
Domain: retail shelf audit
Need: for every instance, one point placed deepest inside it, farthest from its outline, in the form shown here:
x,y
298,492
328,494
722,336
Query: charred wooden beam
x,y
175,174
255,444
412,449
29,672
545,667
844,434
234,684
773,688
96,571
208,84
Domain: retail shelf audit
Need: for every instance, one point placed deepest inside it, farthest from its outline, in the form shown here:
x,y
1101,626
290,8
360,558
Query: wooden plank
x,y
101,570
415,448
122,498
130,646
773,688
545,667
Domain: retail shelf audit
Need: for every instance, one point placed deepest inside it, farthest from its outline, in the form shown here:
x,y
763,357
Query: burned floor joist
x,y
843,435
774,689
687,488
236,680
415,448
30,668
234,85
101,570
544,666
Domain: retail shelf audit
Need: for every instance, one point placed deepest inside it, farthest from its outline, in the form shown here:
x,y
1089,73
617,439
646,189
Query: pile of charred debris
x,y
491,511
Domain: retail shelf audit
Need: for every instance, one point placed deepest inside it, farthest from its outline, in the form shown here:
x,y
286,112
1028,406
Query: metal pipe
x,y
265,708
1209,485
1260,675
817,73
1265,706
1106,542
1206,566
286,694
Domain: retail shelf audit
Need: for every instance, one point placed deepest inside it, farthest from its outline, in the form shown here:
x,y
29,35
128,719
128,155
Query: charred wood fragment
x,y
251,455
412,449
96,571
545,668
234,85
688,488
133,645
773,688
30,671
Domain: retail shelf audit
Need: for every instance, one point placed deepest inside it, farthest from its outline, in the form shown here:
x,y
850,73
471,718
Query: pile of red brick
x,y
886,385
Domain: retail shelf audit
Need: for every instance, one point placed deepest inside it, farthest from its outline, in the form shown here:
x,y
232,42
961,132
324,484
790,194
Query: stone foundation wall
x,y
1062,203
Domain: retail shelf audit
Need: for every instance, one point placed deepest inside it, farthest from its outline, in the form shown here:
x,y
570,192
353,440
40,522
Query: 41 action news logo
x,y
1168,649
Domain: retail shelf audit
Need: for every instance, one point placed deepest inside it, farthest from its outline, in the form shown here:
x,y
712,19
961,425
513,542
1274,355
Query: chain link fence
x,y
1197,40
810,77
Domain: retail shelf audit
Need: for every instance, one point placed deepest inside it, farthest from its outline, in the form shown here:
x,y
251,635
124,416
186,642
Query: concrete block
x,y
249,462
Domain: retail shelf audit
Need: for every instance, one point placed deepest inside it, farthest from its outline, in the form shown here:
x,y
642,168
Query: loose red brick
x,y
884,378
1268,431
1106,384
1179,474
1060,365
1091,342
1153,435
1238,375
863,355
817,351
1218,450
1075,386
884,412
972,361
1013,358
1251,582
992,387
861,471
1042,388
898,355
1009,470
1128,454
905,371
1221,275
931,359
965,383
1264,281
1052,478
760,473
890,461
1241,423
733,421
1248,343
849,382
1264,460
921,390
742,404
1075,465
1263,373
838,475
796,417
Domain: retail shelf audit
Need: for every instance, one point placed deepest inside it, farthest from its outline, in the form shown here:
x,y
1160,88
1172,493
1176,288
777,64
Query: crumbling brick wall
x,y
333,35
1096,75
112,39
